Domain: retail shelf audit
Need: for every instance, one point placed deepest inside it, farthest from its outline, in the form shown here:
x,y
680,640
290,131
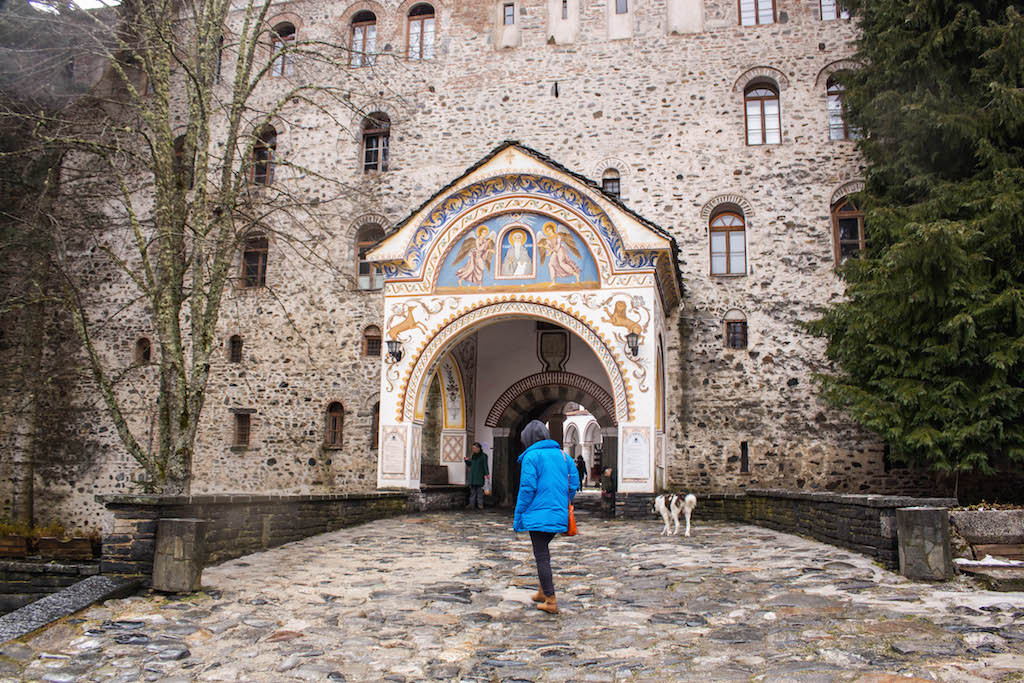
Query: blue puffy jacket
x,y
548,481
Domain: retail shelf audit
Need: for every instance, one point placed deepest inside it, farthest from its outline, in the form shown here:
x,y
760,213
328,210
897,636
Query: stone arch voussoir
x,y
601,405
768,72
748,209
845,189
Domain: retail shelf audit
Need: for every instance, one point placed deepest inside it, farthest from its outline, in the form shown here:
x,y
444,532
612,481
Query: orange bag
x,y
571,531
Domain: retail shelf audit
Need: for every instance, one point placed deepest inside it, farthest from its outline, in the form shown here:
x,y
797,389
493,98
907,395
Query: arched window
x,y
375,425
254,261
368,277
364,38
610,182
235,349
334,426
848,229
281,41
735,330
371,341
728,241
833,9
376,133
263,155
143,351
838,129
761,105
753,12
421,32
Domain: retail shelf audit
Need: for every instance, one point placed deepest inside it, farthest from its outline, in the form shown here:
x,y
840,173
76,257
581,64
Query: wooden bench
x,y
1005,551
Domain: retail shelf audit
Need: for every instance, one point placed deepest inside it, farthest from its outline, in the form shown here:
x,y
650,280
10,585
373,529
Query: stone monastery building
x,y
641,258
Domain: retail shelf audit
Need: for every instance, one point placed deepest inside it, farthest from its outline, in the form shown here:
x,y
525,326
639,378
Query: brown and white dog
x,y
669,506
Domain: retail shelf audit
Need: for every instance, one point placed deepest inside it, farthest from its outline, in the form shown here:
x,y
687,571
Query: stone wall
x,y
661,106
23,581
241,524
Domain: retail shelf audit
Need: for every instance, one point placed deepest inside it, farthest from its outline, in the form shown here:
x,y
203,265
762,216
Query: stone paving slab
x,y
446,596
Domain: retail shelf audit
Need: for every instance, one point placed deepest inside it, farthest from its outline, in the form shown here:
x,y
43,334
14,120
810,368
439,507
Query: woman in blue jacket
x,y
548,480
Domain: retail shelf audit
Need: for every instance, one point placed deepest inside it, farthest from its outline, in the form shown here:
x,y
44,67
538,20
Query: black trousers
x,y
540,540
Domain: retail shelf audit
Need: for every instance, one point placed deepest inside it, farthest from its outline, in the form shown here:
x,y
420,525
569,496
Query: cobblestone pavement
x,y
446,596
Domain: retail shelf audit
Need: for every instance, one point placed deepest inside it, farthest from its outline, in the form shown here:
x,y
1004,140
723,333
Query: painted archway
x,y
521,243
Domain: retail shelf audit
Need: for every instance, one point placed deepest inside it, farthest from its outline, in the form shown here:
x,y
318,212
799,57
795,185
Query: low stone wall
x,y
241,524
865,523
24,581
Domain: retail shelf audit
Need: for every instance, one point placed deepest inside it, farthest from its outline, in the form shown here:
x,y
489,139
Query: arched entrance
x,y
534,291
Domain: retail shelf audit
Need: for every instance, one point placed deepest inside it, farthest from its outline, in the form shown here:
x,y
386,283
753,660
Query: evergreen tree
x,y
929,342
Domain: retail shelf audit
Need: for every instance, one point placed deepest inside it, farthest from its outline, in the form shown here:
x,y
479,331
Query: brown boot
x,y
549,605
539,596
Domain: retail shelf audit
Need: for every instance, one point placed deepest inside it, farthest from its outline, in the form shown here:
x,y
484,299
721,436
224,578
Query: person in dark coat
x,y
609,486
581,467
548,481
478,475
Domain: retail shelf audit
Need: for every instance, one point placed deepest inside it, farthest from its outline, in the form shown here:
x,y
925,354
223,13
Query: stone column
x,y
556,427
923,537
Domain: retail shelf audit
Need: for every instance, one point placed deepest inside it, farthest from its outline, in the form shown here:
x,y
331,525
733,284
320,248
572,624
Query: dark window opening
x,y
744,457
611,183
335,423
736,334
372,341
235,349
848,230
263,156
254,262
143,350
242,429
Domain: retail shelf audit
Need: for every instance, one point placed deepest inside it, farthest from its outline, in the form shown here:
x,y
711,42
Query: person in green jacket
x,y
478,474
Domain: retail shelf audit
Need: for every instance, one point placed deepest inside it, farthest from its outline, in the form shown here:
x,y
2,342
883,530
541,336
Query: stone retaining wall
x,y
241,524
25,581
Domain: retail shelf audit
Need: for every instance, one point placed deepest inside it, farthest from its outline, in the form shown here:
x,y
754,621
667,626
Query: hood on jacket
x,y
546,443
534,432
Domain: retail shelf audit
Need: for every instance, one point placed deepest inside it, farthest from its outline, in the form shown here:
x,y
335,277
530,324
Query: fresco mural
x,y
518,252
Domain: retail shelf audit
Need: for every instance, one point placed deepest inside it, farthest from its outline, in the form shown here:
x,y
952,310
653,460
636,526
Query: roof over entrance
x,y
518,221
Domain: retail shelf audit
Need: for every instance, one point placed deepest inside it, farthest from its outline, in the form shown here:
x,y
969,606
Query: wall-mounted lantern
x,y
395,350
632,341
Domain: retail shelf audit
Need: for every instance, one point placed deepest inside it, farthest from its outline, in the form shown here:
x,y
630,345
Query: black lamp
x,y
395,350
632,341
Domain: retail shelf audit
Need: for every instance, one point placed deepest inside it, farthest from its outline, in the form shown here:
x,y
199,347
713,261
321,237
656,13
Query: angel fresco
x,y
559,244
480,250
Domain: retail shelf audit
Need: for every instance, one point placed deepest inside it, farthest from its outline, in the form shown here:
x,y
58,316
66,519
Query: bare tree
x,y
168,165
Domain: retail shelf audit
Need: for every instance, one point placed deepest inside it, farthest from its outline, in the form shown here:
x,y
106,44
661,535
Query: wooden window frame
x,y
736,329
374,274
260,246
607,184
362,57
382,135
282,66
334,425
760,99
837,214
729,230
420,18
757,13
266,144
243,430
369,337
506,16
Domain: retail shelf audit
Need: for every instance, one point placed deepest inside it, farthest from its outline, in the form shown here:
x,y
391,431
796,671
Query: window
x,y
621,6
375,425
832,9
848,229
143,350
728,242
335,423
254,261
371,341
510,14
281,42
744,457
235,349
364,38
421,32
565,9
376,133
368,277
753,12
735,330
263,155
764,125
838,129
610,182
242,429
220,59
